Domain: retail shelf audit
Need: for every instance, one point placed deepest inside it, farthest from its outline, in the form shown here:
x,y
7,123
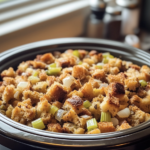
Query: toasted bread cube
x,y
72,59
19,79
9,111
43,76
8,81
95,110
54,127
67,70
38,64
79,131
116,89
76,84
143,104
85,112
123,126
71,116
95,131
106,127
89,61
86,65
8,73
147,116
58,104
33,95
136,67
106,68
0,102
75,103
135,100
2,88
23,112
146,71
78,93
56,92
23,66
43,109
117,78
40,87
50,80
87,91
115,62
79,72
98,74
110,104
95,83
138,116
47,58
43,106
71,128
114,70
132,83
141,92
82,53
8,93
63,62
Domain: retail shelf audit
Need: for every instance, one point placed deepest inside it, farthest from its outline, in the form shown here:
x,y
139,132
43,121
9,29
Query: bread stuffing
x,y
76,92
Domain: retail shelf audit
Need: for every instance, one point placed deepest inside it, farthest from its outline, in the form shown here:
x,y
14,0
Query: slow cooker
x,y
16,136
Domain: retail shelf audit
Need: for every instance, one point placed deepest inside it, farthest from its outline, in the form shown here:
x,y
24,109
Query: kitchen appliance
x,y
17,136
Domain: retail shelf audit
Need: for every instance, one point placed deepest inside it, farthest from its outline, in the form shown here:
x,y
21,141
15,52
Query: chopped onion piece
x,y
103,85
86,117
24,74
115,121
59,114
77,61
22,85
68,81
124,113
100,64
17,95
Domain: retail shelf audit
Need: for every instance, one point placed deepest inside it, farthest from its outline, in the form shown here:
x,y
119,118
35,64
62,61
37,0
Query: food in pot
x,y
77,92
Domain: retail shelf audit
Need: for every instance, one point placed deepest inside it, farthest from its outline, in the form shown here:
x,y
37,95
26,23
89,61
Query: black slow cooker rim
x,y
56,42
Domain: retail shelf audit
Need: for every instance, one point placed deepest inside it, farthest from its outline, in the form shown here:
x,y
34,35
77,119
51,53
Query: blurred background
x,y
26,21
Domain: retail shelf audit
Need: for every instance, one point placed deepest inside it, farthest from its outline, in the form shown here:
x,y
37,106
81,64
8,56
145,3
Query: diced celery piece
x,y
99,67
80,63
86,104
38,124
143,83
35,74
110,56
53,71
105,117
76,53
53,65
105,55
105,60
33,79
91,124
53,109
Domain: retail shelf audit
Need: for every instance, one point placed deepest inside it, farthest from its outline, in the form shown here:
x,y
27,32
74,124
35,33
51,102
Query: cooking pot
x,y
17,136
